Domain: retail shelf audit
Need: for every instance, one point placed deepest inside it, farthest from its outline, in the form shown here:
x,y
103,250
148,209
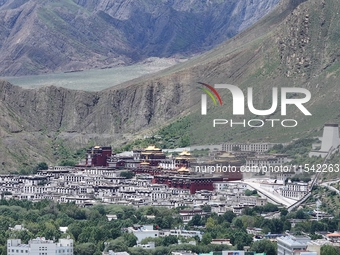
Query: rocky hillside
x,y
35,122
296,45
65,35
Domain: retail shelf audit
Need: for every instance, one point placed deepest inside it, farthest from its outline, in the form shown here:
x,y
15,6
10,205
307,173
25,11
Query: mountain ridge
x,y
65,35
290,47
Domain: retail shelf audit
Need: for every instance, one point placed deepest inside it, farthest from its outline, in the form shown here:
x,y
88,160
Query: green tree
x,y
161,250
277,148
127,174
264,246
157,240
287,225
277,226
241,239
184,141
329,250
130,239
206,239
248,221
68,162
248,211
42,166
317,226
85,249
238,223
75,229
139,251
195,221
117,245
168,240
49,230
269,207
85,235
300,214
248,192
284,212
210,223
267,226
229,216
206,208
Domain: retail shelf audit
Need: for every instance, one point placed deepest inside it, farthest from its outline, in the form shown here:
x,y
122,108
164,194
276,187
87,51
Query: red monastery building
x,y
98,156
176,172
192,183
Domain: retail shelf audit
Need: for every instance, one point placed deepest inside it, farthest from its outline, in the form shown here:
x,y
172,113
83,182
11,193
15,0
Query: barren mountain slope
x,y
296,45
64,35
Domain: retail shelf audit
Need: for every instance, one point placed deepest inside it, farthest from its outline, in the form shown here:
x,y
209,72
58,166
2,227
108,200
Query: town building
x,y
250,147
333,237
143,231
151,156
180,232
183,253
149,245
187,214
295,190
295,245
223,164
115,253
259,160
221,241
87,185
191,182
98,156
40,246
123,160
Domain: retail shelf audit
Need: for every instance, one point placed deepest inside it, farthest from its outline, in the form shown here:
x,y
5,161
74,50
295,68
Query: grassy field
x,y
93,80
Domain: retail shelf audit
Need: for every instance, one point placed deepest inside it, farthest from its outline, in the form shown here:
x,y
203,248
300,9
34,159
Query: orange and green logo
x,y
213,94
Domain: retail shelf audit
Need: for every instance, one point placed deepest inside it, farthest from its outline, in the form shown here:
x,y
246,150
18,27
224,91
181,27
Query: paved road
x,y
277,198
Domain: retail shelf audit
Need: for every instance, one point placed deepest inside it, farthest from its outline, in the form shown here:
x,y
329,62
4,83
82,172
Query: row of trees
x,y
93,233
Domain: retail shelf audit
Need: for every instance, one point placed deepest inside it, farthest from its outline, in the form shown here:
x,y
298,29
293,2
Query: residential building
x,y
187,215
295,190
142,232
221,241
266,160
183,253
257,147
334,237
149,245
294,245
116,253
180,232
40,246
